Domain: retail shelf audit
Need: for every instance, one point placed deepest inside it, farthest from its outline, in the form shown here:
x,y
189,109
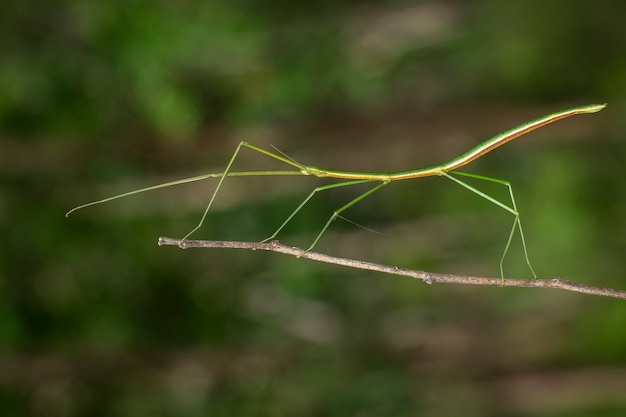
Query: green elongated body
x,y
354,177
462,160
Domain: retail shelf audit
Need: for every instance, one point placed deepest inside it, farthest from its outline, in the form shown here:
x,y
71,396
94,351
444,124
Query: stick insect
x,y
446,169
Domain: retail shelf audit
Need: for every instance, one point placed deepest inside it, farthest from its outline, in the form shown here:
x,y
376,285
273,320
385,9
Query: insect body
x,y
447,169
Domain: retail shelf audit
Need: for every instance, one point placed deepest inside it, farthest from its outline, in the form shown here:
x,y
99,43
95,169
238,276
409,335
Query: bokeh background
x,y
98,98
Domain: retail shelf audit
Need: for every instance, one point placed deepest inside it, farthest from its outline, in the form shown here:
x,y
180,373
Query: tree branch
x,y
427,277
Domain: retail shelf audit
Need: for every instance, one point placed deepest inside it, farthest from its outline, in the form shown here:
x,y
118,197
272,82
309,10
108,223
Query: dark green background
x,y
101,98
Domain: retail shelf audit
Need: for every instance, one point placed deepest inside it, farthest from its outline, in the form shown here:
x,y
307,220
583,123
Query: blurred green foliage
x,y
100,98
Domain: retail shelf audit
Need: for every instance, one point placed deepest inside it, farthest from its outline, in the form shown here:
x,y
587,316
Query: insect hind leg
x,y
511,209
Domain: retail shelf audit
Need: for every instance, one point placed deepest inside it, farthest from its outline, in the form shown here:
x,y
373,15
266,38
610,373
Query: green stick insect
x,y
447,169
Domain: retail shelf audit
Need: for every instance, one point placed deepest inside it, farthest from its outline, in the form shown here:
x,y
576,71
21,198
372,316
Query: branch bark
x,y
426,277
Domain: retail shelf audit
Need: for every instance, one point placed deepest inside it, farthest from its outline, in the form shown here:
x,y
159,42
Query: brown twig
x,y
427,277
